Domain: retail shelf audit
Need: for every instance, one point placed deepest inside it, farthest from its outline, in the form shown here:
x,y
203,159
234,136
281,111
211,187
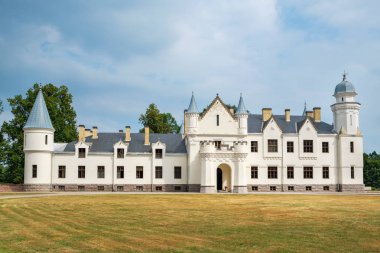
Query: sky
x,y
117,57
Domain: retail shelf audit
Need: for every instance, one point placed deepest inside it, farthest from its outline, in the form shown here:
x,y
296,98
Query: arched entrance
x,y
223,178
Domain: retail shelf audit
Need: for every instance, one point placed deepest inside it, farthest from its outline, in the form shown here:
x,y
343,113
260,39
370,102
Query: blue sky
x,y
117,57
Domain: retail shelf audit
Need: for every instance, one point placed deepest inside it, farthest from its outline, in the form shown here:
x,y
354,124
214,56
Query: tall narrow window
x,y
351,120
308,172
46,140
272,146
325,172
81,172
139,172
290,172
217,120
158,172
61,171
352,172
308,146
158,153
254,147
34,172
120,153
272,172
81,152
352,149
101,171
177,172
254,172
120,171
325,147
290,147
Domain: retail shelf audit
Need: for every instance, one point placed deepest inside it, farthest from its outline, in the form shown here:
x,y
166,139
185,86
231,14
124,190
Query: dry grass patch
x,y
191,223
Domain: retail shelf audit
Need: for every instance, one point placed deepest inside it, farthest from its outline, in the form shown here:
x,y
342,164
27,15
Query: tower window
x,y
352,172
351,120
352,149
217,120
34,172
342,99
46,139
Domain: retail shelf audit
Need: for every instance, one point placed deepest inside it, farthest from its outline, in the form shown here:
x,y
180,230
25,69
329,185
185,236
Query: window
x,y
325,147
120,153
81,188
255,188
352,172
158,172
290,172
290,147
46,140
325,172
139,188
352,147
159,188
177,188
218,144
177,172
101,171
308,188
290,188
272,172
34,171
254,147
272,146
81,172
82,153
61,188
308,146
120,171
272,188
158,153
120,188
254,172
308,172
351,120
326,188
217,120
101,188
61,171
139,172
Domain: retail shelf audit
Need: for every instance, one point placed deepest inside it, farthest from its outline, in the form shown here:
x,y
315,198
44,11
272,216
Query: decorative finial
x,y
345,75
192,93
217,94
241,94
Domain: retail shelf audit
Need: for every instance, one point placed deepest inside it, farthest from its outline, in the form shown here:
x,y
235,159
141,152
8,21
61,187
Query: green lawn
x,y
191,223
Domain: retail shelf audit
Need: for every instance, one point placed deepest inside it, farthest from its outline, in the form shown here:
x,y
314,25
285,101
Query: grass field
x,y
191,223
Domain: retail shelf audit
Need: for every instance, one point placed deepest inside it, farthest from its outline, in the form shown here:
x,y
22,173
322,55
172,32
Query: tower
x,y
191,117
346,109
242,116
38,147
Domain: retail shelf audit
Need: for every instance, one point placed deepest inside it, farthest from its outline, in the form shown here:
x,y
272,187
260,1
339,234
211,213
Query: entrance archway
x,y
223,178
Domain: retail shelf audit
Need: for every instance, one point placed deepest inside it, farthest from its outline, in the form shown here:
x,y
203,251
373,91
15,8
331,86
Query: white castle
x,y
220,150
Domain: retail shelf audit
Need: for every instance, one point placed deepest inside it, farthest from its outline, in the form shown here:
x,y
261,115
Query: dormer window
x,y
120,153
82,153
158,153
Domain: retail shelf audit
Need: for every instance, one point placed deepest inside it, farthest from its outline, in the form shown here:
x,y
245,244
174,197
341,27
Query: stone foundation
x,y
207,189
37,187
296,188
11,187
194,188
352,187
121,187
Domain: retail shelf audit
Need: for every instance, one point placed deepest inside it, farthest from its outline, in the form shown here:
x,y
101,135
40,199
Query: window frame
x,y
290,172
177,172
99,172
81,171
81,152
254,172
272,172
254,147
120,172
290,148
308,146
352,172
139,172
158,172
325,172
34,171
158,153
120,153
352,147
61,171
272,146
325,147
308,172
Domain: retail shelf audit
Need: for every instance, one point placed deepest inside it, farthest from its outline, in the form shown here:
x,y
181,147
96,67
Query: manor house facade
x,y
219,150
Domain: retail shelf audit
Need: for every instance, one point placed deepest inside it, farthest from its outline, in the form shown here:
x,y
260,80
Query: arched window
x,y
46,140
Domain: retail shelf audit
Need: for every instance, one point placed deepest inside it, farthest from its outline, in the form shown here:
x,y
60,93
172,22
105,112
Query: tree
x,y
158,122
2,145
62,114
371,171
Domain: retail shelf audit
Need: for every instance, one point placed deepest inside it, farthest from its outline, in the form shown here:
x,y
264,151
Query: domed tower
x,y
38,147
346,109
191,117
242,116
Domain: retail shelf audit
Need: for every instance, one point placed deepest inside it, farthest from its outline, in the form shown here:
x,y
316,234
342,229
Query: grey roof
x,y
344,87
241,107
105,142
256,125
39,116
193,105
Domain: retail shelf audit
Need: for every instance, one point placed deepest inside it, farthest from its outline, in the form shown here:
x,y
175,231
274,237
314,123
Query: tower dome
x,y
344,87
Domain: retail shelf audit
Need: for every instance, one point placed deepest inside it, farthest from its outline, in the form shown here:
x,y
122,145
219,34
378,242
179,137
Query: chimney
x,y
81,133
120,131
232,111
317,114
267,113
127,133
309,114
94,132
287,115
146,142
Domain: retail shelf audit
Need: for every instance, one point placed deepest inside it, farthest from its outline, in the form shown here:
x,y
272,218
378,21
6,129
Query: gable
x,y
307,128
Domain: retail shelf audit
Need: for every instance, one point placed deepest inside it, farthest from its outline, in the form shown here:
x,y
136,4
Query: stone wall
x,y
11,188
37,187
352,187
297,188
121,187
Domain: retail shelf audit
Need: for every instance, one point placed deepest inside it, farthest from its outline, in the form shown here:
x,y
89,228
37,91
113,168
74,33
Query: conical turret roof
x,y
39,116
193,105
241,107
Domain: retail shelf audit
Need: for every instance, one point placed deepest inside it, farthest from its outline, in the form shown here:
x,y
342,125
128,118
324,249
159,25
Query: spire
x,y
39,116
241,107
345,74
193,105
304,110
